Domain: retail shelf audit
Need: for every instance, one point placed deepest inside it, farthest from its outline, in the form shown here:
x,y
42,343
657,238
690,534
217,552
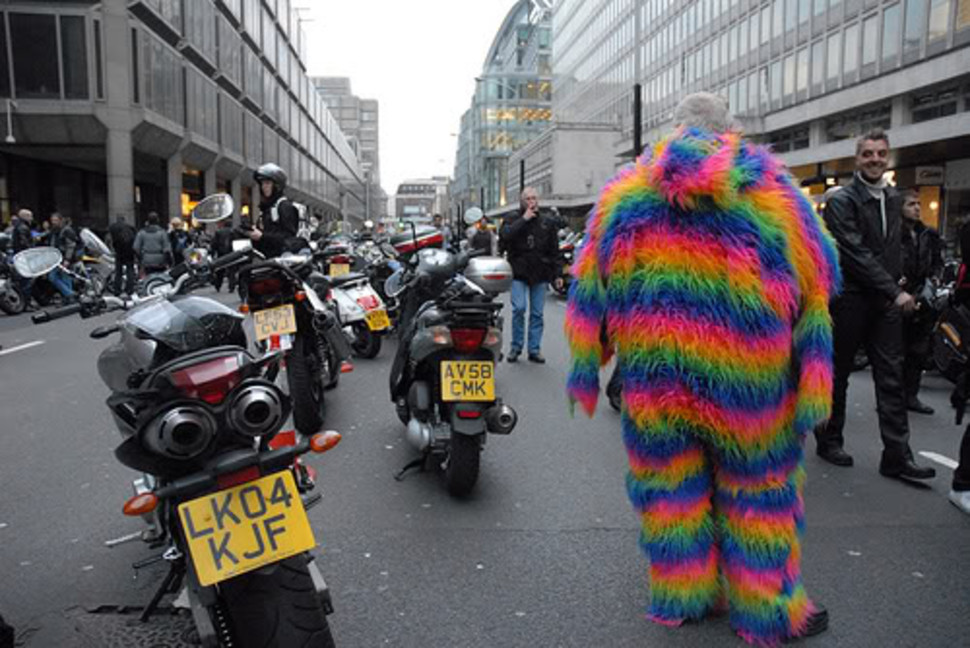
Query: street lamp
x,y
10,139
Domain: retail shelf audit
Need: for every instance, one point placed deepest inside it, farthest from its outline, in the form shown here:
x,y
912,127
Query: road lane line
x,y
21,347
940,459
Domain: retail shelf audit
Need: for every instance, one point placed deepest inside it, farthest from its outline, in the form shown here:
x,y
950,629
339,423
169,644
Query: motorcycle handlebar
x,y
57,313
229,259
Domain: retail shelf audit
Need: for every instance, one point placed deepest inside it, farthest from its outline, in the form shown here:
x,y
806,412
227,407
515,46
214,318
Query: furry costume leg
x,y
761,518
670,486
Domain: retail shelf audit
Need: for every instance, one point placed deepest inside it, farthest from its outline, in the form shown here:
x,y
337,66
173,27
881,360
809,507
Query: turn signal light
x,y
141,504
324,441
299,296
244,309
346,367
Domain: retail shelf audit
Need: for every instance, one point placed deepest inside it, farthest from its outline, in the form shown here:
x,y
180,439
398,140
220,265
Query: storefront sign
x,y
929,175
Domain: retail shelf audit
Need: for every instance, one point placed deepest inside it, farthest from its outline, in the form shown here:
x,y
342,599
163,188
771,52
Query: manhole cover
x,y
109,627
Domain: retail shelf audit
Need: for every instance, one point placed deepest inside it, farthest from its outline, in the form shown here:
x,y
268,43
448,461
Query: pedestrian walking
x,y
865,219
708,273
531,243
922,263
178,239
22,238
221,246
122,236
152,246
65,239
480,237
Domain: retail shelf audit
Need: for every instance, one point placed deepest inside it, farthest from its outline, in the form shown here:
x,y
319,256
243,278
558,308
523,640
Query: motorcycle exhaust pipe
x,y
501,419
418,434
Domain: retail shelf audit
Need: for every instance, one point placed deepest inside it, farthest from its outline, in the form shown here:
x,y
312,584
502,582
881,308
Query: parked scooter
x,y
12,299
443,378
200,416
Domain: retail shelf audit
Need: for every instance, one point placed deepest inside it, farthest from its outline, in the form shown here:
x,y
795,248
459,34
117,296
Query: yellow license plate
x,y
467,380
274,321
339,269
245,527
377,320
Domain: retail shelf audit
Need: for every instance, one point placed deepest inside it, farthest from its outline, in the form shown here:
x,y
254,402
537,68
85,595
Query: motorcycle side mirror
x,y
214,208
37,262
104,331
473,215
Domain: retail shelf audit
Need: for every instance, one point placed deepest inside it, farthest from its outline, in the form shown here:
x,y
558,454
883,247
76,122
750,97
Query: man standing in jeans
x,y
532,246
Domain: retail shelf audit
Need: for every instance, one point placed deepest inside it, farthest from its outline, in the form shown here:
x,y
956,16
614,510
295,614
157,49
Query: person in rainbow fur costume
x,y
709,273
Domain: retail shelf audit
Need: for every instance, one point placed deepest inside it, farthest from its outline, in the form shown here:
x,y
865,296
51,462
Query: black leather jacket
x,y
279,234
871,263
532,247
922,256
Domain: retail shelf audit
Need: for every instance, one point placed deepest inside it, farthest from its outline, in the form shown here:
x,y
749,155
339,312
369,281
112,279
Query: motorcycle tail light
x,y
467,340
493,337
340,258
209,381
265,287
368,302
239,477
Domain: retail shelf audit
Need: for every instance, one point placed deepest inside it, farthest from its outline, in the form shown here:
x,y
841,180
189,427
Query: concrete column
x,y
116,113
899,115
174,167
209,181
254,199
816,133
235,190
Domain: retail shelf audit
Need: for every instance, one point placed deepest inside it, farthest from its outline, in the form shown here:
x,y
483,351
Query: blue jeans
x,y
61,282
536,294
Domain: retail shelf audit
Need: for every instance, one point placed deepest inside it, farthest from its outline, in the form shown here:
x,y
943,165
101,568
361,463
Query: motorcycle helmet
x,y
273,173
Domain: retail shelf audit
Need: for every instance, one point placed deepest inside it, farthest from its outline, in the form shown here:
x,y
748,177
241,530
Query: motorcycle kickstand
x,y
171,583
414,463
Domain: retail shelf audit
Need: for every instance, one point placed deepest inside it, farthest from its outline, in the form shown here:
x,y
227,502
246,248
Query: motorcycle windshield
x,y
94,243
184,324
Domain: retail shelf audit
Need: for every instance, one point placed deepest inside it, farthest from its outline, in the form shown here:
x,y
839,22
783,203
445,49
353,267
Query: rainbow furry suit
x,y
708,272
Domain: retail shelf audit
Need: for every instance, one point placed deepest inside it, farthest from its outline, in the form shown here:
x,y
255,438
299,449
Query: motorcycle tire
x,y
306,389
12,301
276,609
464,460
367,344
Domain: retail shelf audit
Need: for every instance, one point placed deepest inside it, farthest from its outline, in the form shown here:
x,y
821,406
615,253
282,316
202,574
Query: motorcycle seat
x,y
350,277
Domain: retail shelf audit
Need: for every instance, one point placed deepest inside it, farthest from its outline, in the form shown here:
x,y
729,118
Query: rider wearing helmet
x,y
279,219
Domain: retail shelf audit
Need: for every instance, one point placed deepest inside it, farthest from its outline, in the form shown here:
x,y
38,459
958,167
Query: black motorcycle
x,y
200,415
443,378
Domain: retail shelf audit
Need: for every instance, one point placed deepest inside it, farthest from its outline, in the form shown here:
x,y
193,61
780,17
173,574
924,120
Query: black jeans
x,y
125,268
917,332
866,319
961,476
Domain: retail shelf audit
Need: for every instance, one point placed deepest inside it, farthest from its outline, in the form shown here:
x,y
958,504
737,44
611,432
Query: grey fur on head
x,y
704,110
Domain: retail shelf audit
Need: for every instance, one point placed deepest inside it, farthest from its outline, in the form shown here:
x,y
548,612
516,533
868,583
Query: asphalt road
x,y
543,554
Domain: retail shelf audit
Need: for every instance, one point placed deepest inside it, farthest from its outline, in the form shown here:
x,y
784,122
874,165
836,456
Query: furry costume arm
x,y
817,270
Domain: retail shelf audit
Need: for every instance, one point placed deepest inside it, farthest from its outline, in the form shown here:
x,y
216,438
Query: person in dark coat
x,y
531,242
64,238
21,240
864,217
279,220
959,494
152,246
221,246
922,262
122,237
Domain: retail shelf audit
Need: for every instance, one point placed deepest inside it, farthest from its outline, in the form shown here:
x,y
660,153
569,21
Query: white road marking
x,y
21,347
940,459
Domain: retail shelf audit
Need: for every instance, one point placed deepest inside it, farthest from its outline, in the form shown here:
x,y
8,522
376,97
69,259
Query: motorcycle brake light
x,y
467,340
368,302
209,381
340,258
265,287
469,414
239,477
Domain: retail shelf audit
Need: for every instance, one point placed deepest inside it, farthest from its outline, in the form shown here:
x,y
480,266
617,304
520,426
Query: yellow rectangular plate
x,y
245,527
339,269
274,321
377,320
467,380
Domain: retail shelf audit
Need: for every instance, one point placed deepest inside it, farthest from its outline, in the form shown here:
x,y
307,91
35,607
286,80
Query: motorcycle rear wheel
x,y
12,301
306,389
276,609
367,344
464,461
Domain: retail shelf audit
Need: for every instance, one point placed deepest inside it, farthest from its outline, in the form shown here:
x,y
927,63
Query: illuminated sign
x,y
540,9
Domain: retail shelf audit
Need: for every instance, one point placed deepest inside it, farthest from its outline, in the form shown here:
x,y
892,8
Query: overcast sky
x,y
418,58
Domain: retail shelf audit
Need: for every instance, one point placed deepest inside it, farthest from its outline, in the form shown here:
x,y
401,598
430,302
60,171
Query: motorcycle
x,y
12,299
290,306
443,378
567,249
200,418
360,309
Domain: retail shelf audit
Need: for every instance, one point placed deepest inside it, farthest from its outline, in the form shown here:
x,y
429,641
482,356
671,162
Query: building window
x,y
765,25
98,60
789,141
851,55
936,104
135,74
789,83
890,35
34,45
870,40
939,19
818,65
834,58
853,124
915,25
791,15
801,71
778,17
776,83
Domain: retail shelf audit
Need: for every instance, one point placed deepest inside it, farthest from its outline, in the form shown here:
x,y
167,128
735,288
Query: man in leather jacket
x,y
922,262
864,217
279,218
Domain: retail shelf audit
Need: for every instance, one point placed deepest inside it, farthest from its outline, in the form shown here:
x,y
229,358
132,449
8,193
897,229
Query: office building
x,y
806,76
358,120
511,105
118,108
